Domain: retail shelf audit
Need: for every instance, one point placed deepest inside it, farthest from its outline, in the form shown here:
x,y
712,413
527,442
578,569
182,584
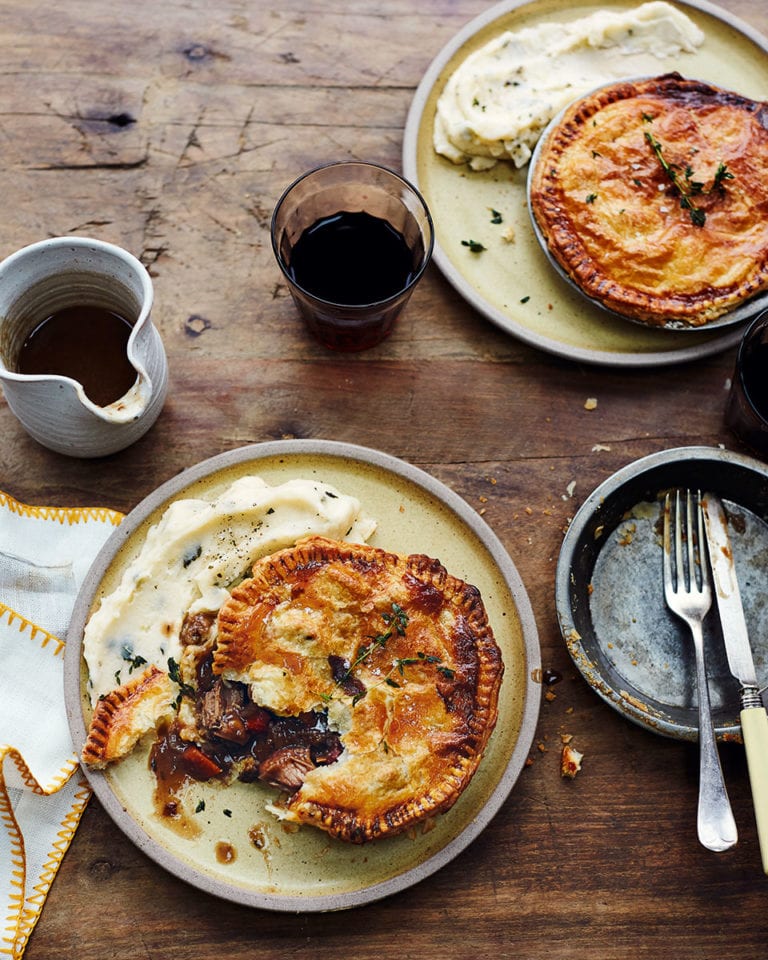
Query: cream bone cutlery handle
x,y
754,729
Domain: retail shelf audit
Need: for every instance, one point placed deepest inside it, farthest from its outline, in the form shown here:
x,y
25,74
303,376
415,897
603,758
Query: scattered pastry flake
x,y
638,704
550,695
570,761
627,534
598,447
508,236
590,403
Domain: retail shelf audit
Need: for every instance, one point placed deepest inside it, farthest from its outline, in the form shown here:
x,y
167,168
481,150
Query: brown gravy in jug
x,y
85,343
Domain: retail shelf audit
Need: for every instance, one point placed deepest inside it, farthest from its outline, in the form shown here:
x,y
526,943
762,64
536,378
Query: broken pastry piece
x,y
122,717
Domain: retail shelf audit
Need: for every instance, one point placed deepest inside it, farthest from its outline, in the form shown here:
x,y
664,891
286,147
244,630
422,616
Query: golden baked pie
x,y
363,684
397,651
652,195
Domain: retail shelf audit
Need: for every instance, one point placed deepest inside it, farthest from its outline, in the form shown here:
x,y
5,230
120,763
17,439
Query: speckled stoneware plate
x,y
610,602
513,284
305,870
739,315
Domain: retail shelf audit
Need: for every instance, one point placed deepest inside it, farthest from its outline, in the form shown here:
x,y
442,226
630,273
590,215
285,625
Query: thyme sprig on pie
x,y
677,231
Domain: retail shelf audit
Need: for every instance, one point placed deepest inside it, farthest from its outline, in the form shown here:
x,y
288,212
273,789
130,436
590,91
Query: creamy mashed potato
x,y
193,555
498,101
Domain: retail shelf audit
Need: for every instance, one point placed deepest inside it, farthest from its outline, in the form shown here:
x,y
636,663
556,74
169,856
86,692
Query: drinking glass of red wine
x,y
352,239
746,412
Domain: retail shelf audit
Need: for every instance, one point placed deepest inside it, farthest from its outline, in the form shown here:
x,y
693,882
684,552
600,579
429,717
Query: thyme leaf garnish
x,y
175,675
686,186
134,662
397,621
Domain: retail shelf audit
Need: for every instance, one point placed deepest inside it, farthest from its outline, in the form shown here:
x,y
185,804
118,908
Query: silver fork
x,y
690,597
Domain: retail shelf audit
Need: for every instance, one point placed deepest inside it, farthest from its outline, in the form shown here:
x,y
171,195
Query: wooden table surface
x,y
171,129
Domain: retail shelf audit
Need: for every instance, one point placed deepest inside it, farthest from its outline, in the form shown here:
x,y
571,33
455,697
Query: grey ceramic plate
x,y
306,870
635,654
512,284
739,315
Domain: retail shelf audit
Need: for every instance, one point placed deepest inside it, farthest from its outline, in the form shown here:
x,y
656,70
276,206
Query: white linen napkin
x,y
45,553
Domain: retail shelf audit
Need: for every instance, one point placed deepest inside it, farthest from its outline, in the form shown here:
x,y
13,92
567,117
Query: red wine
x,y
352,259
85,343
753,372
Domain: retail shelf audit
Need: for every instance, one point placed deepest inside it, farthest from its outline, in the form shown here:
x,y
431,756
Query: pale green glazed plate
x,y
237,849
512,283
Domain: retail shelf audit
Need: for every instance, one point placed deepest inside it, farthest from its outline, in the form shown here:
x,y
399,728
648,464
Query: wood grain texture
x,y
171,129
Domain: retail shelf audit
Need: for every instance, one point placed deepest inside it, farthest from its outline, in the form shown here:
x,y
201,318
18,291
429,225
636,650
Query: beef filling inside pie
x,y
652,196
363,684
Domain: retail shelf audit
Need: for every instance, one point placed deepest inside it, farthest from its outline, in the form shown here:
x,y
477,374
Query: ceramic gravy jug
x,y
56,277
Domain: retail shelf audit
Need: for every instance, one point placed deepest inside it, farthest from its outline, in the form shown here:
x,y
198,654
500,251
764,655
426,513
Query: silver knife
x,y
754,719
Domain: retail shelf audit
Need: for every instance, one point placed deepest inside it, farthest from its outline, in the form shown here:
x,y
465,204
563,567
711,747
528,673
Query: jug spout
x,y
131,406
145,354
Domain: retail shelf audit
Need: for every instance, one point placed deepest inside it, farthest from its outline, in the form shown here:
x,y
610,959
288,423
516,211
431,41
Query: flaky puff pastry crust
x,y
612,216
401,655
122,717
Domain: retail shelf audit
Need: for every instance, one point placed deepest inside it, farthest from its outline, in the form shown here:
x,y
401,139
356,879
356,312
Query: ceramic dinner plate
x,y
610,603
512,283
305,870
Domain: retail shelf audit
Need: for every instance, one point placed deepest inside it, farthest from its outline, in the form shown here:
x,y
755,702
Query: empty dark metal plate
x,y
610,603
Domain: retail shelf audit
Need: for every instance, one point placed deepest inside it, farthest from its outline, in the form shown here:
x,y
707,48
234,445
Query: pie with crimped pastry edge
x,y
401,655
652,195
370,678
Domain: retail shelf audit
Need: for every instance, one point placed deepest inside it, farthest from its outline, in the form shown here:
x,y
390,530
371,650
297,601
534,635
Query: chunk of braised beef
x,y
220,711
340,672
204,673
196,629
327,751
286,732
287,767
248,770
